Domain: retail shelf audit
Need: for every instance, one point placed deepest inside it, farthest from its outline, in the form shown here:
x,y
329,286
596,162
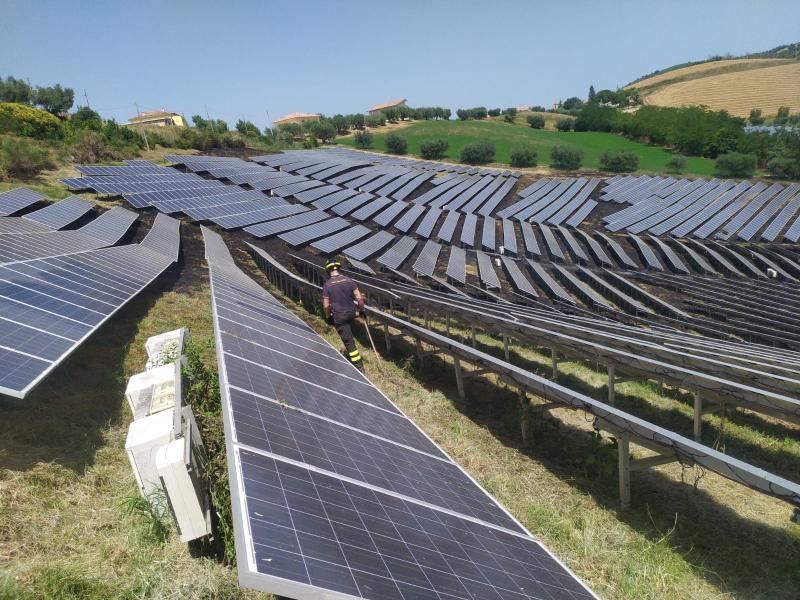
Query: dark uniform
x,y
339,289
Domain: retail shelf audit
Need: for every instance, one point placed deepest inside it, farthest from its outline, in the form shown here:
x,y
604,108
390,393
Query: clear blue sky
x,y
243,58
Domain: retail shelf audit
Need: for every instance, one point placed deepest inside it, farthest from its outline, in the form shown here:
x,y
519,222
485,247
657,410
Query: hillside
x,y
507,136
735,85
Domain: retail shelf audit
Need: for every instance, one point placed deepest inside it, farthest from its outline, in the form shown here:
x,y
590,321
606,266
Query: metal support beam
x,y
505,347
624,460
387,337
459,379
472,328
447,325
420,352
698,417
612,384
554,363
524,416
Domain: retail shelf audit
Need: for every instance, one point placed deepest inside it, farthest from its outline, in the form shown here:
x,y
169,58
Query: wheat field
x,y
716,67
765,88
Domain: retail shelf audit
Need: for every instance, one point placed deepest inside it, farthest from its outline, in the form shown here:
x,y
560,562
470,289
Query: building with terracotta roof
x,y
296,117
157,118
387,105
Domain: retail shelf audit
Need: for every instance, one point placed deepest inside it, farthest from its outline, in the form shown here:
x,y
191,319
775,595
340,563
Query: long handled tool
x,y
372,343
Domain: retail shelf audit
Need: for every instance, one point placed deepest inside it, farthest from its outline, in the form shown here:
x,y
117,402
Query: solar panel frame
x,y
395,256
13,201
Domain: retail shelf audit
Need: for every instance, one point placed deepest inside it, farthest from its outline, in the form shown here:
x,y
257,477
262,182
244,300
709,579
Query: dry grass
x,y
706,69
766,88
550,119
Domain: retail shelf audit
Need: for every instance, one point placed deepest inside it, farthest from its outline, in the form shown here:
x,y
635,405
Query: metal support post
x,y
554,361
698,417
420,352
459,379
472,328
505,347
624,457
387,337
524,416
612,382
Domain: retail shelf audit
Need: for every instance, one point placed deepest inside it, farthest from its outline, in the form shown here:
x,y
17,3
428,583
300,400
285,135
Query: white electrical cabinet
x,y
181,467
152,391
165,348
145,437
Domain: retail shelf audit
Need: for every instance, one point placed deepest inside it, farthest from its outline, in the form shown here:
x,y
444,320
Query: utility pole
x,y
144,127
87,98
213,128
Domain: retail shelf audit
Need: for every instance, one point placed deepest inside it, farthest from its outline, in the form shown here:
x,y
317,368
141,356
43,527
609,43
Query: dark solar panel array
x,y
370,246
468,230
517,277
50,305
304,235
62,213
428,222
262,230
457,265
448,227
488,235
334,243
111,225
395,256
425,264
488,275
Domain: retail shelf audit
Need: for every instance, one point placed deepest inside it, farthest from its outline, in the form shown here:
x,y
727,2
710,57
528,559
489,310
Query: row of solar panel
x,y
334,489
682,207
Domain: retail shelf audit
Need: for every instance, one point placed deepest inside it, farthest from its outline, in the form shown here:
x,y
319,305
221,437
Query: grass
x,y
506,136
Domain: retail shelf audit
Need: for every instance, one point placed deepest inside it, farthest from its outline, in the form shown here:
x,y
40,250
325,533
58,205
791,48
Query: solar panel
x,y
398,253
595,249
547,283
673,259
370,208
486,271
390,213
620,254
497,197
145,199
509,237
457,265
332,244
410,217
111,225
304,235
448,228
316,193
427,258
352,204
517,277
370,246
529,239
428,222
18,199
262,230
50,306
259,215
29,246
323,506
61,213
584,292
575,250
163,237
553,249
333,199
646,253
488,237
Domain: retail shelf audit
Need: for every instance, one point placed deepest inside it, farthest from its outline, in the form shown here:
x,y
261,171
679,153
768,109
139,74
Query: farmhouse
x,y
157,118
296,117
387,105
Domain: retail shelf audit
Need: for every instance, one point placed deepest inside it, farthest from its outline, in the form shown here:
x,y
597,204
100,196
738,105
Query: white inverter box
x,y
145,437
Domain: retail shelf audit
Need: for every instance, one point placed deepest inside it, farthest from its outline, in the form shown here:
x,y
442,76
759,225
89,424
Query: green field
x,y
507,136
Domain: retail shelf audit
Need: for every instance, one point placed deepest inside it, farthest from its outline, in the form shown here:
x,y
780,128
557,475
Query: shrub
x,y
509,115
27,121
431,149
22,158
90,147
324,131
735,164
756,117
784,168
566,158
782,116
619,161
494,112
477,153
363,139
396,144
565,124
376,120
535,121
677,164
524,157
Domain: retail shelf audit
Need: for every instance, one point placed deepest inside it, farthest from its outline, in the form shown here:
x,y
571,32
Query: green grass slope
x,y
506,136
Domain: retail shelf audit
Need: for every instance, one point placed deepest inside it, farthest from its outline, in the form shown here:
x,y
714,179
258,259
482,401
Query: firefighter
x,y
338,296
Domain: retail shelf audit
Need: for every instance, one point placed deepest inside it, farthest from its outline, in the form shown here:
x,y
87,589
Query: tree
x,y
433,149
571,103
404,112
15,90
784,157
565,124
566,158
619,161
477,153
289,132
323,130
376,120
677,164
86,118
462,114
341,123
246,128
782,116
509,115
535,121
756,118
396,144
524,157
494,112
363,139
200,122
591,93
391,115
55,99
735,164
357,121
446,113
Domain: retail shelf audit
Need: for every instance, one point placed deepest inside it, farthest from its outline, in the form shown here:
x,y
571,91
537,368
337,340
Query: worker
x,y
338,296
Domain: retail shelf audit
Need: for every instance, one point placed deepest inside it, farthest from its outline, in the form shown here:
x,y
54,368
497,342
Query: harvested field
x,y
707,69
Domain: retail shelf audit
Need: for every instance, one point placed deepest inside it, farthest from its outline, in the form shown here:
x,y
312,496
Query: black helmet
x,y
331,264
